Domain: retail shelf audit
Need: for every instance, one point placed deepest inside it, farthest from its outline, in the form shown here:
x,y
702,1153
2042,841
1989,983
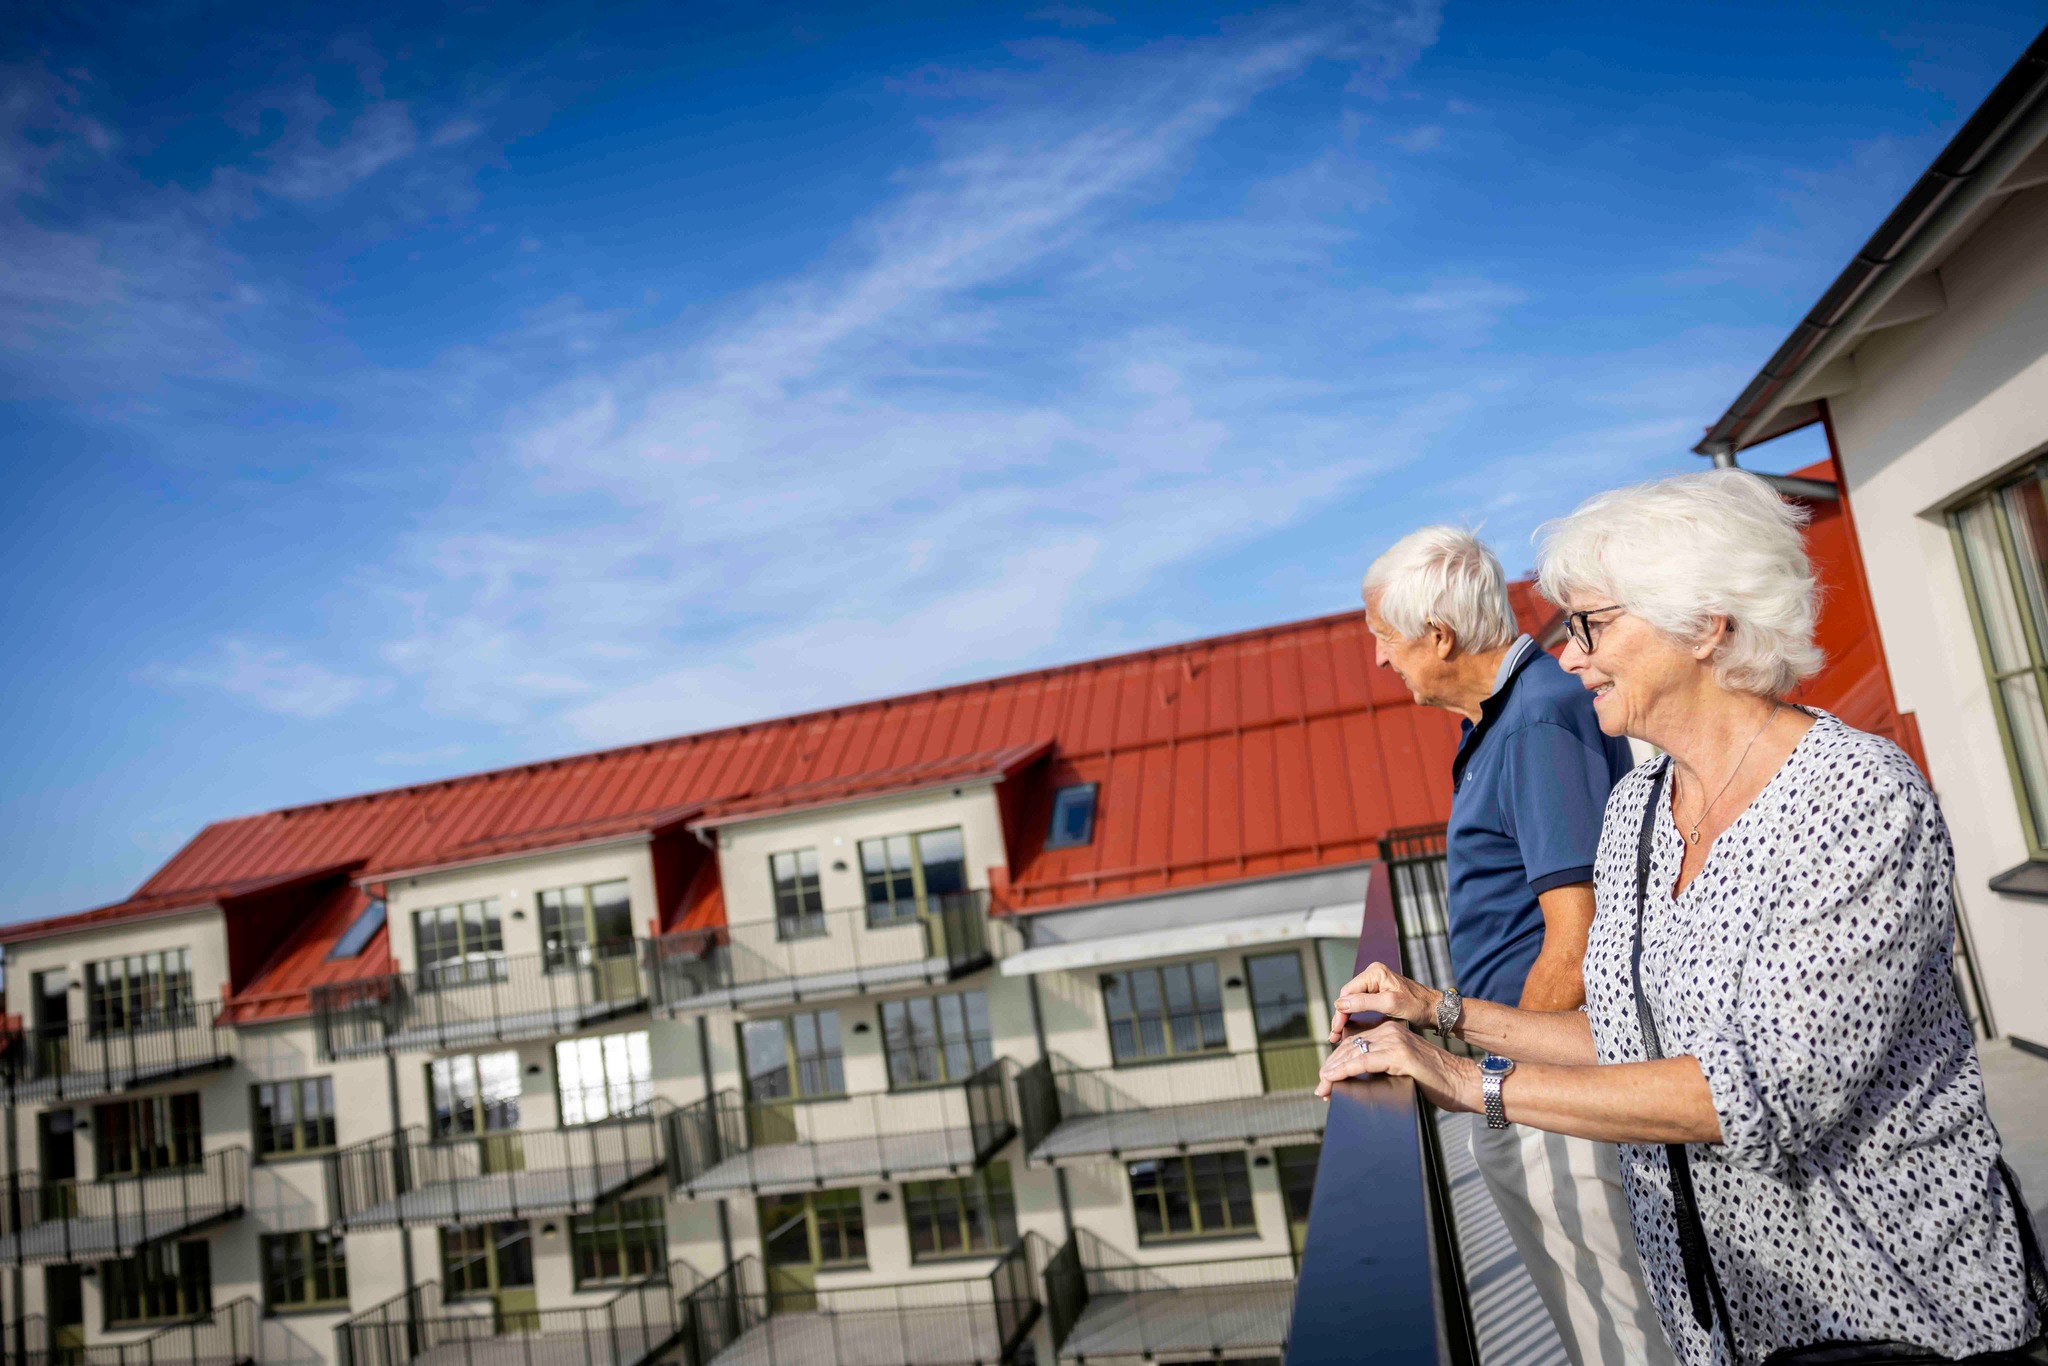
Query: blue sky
x,y
394,392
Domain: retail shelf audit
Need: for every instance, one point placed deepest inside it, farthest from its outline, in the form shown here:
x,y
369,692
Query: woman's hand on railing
x,y
1392,1049
1382,990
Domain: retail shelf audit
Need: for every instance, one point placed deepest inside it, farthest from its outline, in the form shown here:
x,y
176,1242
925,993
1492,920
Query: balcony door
x,y
57,1151
53,1022
907,876
494,1262
476,1096
590,930
1289,1058
64,1303
805,1233
789,1058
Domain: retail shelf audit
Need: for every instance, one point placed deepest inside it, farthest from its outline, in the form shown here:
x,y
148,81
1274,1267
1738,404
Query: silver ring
x,y
1364,1045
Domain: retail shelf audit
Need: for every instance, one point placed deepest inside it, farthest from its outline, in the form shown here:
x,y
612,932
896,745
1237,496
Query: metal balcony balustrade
x,y
79,1221
82,1059
747,1316
633,1327
825,955
1107,1307
1201,1102
413,1179
223,1336
725,1143
490,998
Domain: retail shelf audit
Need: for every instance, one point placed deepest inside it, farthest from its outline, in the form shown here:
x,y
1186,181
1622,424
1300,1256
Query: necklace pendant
x,y
1694,837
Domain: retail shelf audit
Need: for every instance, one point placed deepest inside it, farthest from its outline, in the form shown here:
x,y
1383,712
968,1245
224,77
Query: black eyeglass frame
x,y
1579,625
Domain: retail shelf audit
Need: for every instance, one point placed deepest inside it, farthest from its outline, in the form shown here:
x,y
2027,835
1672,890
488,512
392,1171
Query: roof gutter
x,y
2011,122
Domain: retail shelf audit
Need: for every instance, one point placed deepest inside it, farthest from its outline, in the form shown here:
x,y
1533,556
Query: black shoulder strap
x,y
1702,1286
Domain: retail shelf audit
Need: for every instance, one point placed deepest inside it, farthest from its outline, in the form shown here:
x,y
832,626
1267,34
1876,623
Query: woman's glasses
x,y
1579,625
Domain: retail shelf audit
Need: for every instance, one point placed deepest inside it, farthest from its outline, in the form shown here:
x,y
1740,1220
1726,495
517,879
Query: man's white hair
x,y
1679,552
1445,575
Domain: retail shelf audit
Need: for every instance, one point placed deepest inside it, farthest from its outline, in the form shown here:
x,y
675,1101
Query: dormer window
x,y
1073,816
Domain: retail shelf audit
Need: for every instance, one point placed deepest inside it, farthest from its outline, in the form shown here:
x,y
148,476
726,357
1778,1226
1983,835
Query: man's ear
x,y
1446,641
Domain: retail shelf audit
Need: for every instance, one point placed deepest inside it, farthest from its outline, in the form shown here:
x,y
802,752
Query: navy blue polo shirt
x,y
1529,785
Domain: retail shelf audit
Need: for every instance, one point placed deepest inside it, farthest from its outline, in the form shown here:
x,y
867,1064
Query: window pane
x,y
1279,996
764,1042
1073,816
1997,604
2028,724
611,913
945,862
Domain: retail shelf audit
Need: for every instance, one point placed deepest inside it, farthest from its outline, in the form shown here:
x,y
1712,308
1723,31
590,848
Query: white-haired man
x,y
1529,787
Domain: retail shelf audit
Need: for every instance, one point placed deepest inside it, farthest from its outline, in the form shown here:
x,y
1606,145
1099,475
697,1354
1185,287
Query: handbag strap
x,y
1702,1286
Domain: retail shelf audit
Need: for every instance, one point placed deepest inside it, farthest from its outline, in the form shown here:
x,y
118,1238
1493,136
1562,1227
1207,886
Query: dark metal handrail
x,y
489,999
931,1322
793,1144
635,1326
225,1335
68,1221
828,954
413,1179
83,1058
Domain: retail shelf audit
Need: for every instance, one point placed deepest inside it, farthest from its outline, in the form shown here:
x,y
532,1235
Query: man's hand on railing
x,y
1392,1049
1382,991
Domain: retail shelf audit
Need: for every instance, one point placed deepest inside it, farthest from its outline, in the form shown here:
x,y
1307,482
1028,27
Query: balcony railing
x,y
633,1327
82,1059
482,1000
1228,1100
412,1179
1108,1307
830,954
726,1143
78,1221
223,1336
748,1316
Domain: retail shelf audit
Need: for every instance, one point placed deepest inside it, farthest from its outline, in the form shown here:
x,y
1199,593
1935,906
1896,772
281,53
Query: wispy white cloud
x,y
269,676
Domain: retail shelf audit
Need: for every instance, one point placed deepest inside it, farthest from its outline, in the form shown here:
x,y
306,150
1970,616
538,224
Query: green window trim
x,y
1199,1195
459,944
1172,1011
583,925
825,1229
303,1271
902,874
793,1057
2001,545
292,1118
620,1243
162,1283
139,991
938,1040
472,1094
799,901
967,1216
483,1259
150,1134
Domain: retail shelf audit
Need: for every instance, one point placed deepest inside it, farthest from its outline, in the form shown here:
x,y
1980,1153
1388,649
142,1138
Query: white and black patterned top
x,y
1853,1194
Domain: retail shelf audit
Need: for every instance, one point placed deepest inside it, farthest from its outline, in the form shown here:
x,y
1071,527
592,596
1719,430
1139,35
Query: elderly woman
x,y
1770,1030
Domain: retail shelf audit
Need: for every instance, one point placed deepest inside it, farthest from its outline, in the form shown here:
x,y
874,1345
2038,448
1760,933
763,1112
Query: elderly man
x,y
1529,785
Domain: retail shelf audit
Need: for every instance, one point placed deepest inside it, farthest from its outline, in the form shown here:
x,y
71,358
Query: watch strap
x,y
1496,1109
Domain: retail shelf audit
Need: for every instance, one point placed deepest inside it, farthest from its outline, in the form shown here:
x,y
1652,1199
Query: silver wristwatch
x,y
1450,1009
1493,1070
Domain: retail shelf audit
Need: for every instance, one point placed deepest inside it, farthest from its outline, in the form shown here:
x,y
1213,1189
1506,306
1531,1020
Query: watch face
x,y
1495,1066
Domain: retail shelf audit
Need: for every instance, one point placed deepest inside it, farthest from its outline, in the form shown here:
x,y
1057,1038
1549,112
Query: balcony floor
x,y
65,1240
912,1337
634,1346
2016,1084
1240,1320
83,1082
782,991
802,1166
462,1032
1514,1328
507,1195
1262,1120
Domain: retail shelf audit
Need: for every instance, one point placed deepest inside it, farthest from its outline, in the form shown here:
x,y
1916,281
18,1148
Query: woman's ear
x,y
1719,628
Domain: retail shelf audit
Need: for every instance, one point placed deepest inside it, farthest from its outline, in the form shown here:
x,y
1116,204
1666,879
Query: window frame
x,y
1165,1015
2032,812
639,1090
321,1254
575,909
794,1061
191,1287
471,965
480,1107
799,914
646,1216
975,1044
991,1192
921,894
842,1207
1059,797
489,1256
153,1124
1197,1231
150,992
262,1129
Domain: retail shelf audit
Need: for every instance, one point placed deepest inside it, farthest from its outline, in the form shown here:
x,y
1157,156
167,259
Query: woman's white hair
x,y
1445,575
1679,552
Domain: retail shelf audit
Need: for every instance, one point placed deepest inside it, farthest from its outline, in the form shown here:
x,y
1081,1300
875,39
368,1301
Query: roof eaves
x,y
1007,764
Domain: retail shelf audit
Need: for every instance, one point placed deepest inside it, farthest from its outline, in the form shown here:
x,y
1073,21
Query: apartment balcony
x,y
483,1000
747,1316
634,1327
89,1221
825,955
226,1336
1230,1100
412,1179
1107,1307
726,1144
83,1059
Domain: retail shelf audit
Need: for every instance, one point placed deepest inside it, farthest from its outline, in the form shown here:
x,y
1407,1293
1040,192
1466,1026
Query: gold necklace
x,y
1693,835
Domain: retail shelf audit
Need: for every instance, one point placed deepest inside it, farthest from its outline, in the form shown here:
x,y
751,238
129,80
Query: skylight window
x,y
1073,816
358,934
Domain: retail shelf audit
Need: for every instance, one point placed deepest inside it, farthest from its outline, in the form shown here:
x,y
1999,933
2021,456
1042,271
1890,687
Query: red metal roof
x,y
1239,756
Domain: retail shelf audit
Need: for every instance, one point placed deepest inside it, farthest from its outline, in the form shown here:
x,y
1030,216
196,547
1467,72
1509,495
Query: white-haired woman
x,y
1770,1028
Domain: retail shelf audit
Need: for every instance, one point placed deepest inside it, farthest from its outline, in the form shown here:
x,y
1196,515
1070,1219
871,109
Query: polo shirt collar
x,y
1512,663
